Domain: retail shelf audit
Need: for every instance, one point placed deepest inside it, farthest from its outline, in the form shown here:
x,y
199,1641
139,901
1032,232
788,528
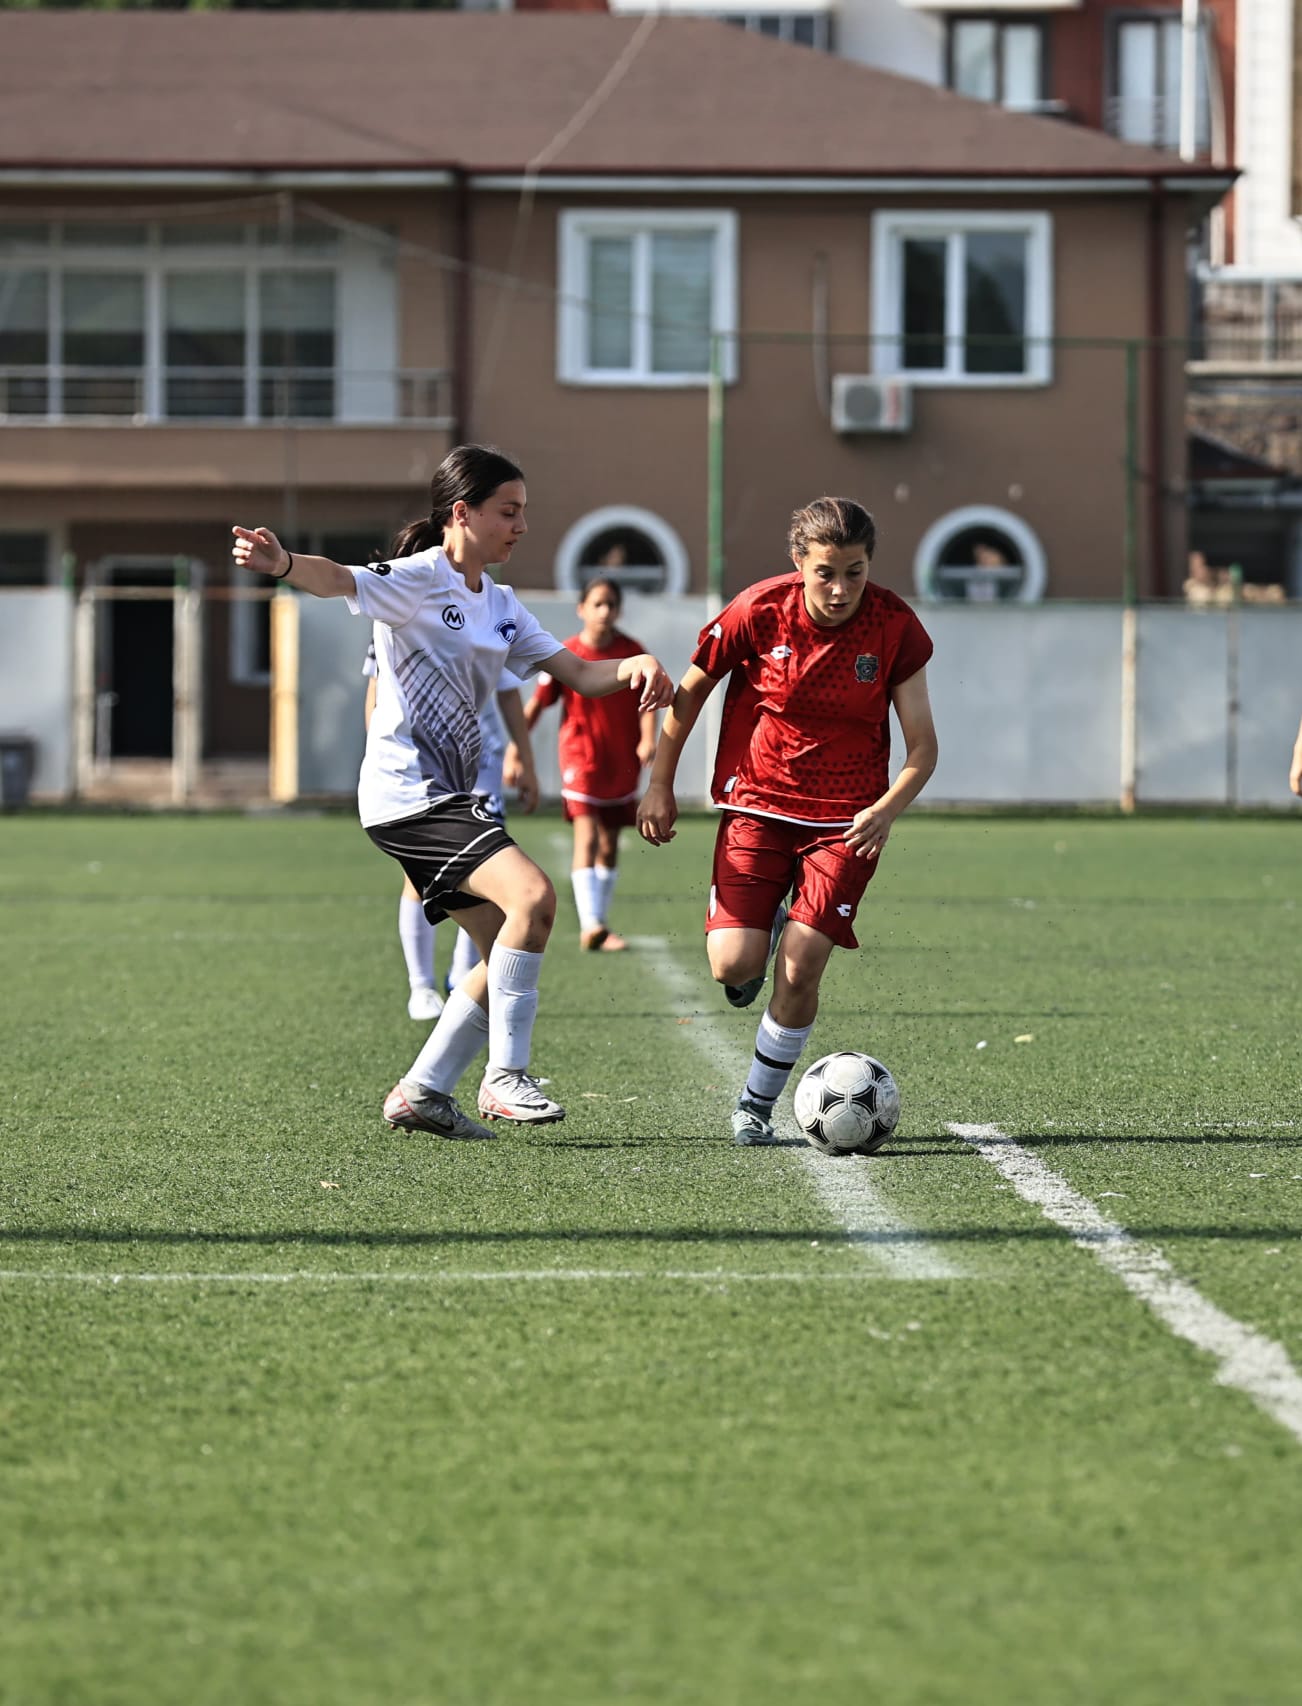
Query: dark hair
x,y
831,521
613,586
470,474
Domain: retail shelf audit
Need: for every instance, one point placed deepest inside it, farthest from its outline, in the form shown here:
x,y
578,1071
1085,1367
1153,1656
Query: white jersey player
x,y
444,631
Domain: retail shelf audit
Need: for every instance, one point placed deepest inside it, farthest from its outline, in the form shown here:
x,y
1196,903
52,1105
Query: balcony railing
x,y
143,396
1249,325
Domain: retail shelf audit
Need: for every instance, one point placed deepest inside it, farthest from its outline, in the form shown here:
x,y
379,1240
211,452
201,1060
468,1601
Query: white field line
x,y
432,1276
1247,1359
845,1186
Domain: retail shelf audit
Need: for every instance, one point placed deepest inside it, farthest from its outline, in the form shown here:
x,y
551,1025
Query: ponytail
x,y
470,474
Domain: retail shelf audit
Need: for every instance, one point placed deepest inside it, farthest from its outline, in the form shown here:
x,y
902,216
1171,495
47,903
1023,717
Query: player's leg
x,y
605,871
583,874
783,1029
523,893
422,1099
465,950
754,866
829,887
416,934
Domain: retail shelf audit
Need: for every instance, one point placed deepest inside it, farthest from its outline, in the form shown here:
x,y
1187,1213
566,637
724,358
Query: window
x,y
642,295
630,545
962,298
1144,94
194,321
995,59
980,555
24,559
808,29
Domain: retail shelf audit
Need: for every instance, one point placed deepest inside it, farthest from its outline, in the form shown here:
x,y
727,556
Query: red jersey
x,y
598,741
805,733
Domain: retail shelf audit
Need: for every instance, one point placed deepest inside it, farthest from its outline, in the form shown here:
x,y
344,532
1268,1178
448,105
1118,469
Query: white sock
x,y
604,879
456,1039
512,1005
587,897
777,1049
416,934
465,957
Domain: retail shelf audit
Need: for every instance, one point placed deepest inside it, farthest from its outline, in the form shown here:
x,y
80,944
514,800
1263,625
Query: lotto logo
x,y
453,617
845,910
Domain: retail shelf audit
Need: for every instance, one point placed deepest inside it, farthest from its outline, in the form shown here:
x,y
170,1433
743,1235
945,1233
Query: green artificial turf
x,y
298,1411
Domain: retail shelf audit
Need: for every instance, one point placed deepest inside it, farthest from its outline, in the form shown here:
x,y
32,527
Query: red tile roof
x,y
493,92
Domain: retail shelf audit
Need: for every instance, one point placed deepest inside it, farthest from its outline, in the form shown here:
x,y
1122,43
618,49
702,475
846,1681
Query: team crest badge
x,y
507,631
865,668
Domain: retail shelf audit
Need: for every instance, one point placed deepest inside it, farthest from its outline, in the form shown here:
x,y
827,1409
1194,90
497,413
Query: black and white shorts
x,y
439,849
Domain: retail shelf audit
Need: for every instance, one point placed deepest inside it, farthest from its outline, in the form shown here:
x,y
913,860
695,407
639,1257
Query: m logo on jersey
x,y
865,669
507,631
380,568
453,617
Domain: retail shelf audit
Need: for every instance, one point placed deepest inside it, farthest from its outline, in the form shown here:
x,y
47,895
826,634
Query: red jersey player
x,y
816,659
603,747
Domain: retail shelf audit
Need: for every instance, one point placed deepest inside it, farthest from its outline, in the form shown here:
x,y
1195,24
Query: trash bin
x,y
17,758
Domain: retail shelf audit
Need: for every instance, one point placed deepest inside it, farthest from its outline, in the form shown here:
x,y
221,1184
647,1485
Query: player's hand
x,y
868,833
258,549
656,814
647,676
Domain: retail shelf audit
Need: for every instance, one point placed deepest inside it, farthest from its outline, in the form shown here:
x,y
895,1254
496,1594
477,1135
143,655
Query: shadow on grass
x,y
507,1236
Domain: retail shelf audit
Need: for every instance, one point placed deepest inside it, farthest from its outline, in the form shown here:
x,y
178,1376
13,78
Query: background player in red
x,y
603,747
816,659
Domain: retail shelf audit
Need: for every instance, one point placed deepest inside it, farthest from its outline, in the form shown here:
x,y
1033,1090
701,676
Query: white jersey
x,y
442,650
494,737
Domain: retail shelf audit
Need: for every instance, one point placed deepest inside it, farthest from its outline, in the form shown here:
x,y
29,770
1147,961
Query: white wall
x,y
1266,239
36,681
1027,700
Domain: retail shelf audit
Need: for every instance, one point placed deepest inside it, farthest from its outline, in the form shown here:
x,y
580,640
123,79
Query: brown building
x,y
269,268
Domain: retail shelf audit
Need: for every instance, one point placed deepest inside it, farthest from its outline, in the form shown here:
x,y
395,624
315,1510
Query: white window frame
x,y
578,226
570,577
364,368
889,232
926,559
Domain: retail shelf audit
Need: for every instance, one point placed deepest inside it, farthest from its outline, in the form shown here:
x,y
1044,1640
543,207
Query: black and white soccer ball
x,y
847,1104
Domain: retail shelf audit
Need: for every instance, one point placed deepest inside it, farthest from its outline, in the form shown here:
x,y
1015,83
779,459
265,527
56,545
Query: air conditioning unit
x,y
863,403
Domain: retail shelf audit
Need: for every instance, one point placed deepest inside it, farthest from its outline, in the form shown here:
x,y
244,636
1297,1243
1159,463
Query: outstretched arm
x,y
867,834
1295,769
659,809
258,549
594,678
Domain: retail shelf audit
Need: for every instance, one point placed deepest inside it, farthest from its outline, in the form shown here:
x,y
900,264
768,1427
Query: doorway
x,y
135,655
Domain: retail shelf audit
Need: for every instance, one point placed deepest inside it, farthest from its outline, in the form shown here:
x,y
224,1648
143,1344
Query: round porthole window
x,y
634,547
980,555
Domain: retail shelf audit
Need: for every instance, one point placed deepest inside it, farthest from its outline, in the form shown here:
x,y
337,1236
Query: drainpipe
x,y
1157,357
461,310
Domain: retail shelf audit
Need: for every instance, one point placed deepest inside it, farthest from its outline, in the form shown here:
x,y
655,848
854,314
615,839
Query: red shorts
x,y
757,859
618,816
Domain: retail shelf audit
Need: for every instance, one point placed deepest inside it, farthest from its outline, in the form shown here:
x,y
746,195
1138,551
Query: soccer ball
x,y
847,1104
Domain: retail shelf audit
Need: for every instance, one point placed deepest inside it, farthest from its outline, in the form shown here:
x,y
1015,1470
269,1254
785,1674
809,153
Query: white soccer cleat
x,y
509,1094
425,1003
752,1124
414,1107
